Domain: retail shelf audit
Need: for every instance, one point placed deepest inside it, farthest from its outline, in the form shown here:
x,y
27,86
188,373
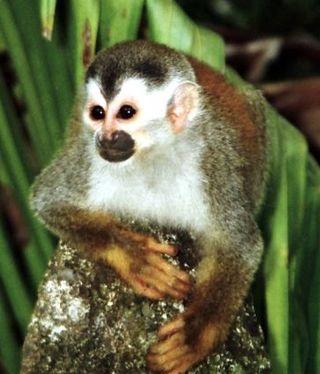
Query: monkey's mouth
x,y
119,147
113,155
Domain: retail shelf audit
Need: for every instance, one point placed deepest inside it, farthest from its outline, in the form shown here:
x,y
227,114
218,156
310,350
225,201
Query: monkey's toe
x,y
172,355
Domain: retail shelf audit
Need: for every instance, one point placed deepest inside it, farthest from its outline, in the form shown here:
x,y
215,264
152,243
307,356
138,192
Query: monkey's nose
x,y
118,147
121,140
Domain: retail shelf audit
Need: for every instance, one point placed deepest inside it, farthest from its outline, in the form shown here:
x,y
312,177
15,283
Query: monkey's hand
x,y
138,259
184,342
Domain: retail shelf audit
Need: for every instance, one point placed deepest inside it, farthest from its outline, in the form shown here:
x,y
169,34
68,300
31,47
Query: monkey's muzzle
x,y
119,147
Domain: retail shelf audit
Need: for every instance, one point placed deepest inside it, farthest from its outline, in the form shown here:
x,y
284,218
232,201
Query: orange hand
x,y
143,267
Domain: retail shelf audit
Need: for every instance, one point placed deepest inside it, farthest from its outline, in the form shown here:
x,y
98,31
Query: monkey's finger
x,y
149,243
165,281
184,363
171,270
152,278
164,248
142,289
168,344
171,327
167,361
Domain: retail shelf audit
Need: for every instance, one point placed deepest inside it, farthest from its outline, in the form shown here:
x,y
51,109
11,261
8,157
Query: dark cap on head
x,y
156,63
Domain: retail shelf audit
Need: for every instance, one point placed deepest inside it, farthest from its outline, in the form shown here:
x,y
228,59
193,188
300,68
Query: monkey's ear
x,y
183,105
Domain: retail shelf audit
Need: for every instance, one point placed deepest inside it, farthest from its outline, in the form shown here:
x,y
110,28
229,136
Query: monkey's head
x,y
138,96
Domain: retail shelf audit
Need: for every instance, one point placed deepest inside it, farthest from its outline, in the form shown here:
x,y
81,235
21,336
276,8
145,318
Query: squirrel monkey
x,y
159,136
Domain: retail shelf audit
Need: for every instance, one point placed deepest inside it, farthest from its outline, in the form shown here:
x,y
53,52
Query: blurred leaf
x,y
9,348
48,8
84,18
24,70
34,62
309,269
286,222
16,171
119,21
178,31
11,279
276,266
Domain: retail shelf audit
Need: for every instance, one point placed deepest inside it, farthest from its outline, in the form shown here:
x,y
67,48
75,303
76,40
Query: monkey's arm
x,y
136,257
223,279
58,199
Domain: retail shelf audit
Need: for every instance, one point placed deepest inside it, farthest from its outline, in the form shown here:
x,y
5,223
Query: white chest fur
x,y
167,191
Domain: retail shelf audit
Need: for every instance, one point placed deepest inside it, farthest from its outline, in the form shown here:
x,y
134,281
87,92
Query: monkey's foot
x,y
175,353
146,271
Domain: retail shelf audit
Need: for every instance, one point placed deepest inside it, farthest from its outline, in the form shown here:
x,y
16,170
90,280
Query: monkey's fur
x,y
200,167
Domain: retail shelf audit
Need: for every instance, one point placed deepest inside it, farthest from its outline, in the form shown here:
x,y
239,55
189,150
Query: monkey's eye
x,y
97,113
126,112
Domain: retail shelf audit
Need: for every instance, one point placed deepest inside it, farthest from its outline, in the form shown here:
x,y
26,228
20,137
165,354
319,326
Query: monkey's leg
x,y
223,280
185,341
138,259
